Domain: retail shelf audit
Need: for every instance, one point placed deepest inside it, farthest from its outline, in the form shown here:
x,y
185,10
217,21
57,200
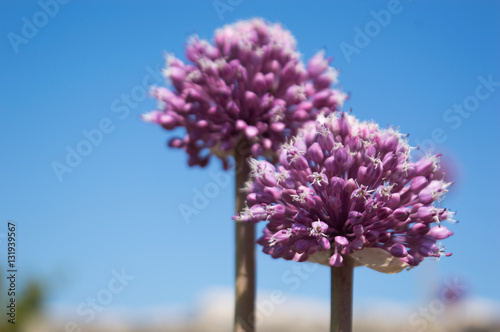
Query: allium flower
x,y
249,84
345,187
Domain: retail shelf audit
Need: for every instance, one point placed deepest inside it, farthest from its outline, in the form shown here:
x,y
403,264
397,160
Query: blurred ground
x,y
213,312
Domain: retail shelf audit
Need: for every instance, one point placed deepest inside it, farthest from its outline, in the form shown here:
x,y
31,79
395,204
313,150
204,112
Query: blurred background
x,y
97,196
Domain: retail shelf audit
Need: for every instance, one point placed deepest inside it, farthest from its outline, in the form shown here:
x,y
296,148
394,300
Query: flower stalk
x,y
245,248
341,296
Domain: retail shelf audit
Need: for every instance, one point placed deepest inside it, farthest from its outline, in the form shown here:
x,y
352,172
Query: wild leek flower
x,y
249,84
348,188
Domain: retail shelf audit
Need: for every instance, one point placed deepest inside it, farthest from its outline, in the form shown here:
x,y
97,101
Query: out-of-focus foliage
x,y
28,304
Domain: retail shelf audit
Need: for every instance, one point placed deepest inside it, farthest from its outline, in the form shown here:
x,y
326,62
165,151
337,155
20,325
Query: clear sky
x,y
85,66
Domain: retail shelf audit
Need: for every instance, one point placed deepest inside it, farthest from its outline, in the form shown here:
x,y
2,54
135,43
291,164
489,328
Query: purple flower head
x,y
345,187
249,84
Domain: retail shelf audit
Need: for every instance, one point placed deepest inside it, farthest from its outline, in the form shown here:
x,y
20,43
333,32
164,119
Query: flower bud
x,y
357,243
315,153
425,167
300,162
371,235
278,127
256,149
341,241
331,165
334,202
323,244
354,217
277,212
283,158
320,99
259,82
440,232
317,64
326,142
251,99
269,80
401,213
341,157
268,179
358,230
336,260
167,121
241,125
420,228
390,161
418,183
313,247
350,186
384,213
251,131
252,199
176,143
393,200
301,245
427,213
398,250
384,236
389,142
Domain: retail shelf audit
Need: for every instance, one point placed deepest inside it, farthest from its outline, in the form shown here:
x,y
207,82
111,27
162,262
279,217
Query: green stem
x,y
341,297
244,316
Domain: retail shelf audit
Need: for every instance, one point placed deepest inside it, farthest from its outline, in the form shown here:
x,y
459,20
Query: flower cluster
x,y
250,84
344,187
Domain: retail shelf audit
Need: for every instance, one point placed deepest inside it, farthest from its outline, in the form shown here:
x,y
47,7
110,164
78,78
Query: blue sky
x,y
86,68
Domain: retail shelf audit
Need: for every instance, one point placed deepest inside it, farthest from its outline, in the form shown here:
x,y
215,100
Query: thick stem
x,y
341,297
244,315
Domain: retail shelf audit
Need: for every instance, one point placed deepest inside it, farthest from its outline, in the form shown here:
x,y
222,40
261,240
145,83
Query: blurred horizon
x,y
213,311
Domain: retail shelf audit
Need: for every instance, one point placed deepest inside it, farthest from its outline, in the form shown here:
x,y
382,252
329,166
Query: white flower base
x,y
374,258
